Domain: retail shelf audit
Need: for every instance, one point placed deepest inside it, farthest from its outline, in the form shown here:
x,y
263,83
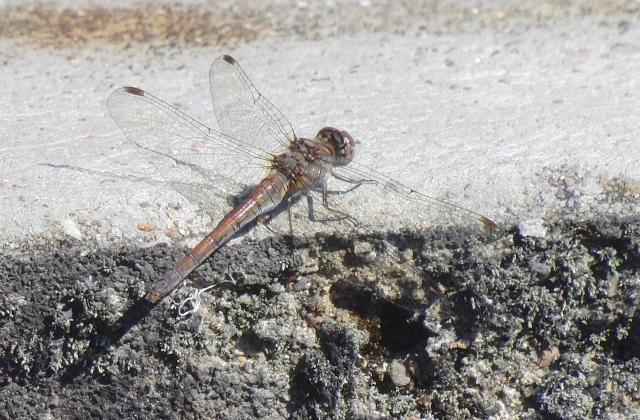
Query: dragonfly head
x,y
340,144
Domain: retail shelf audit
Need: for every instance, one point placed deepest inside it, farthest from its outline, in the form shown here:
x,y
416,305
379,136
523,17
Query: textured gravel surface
x,y
528,327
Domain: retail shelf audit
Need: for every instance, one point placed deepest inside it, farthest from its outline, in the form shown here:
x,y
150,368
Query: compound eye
x,y
349,143
342,143
334,136
337,139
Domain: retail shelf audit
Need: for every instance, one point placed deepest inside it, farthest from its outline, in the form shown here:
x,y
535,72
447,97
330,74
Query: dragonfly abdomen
x,y
265,198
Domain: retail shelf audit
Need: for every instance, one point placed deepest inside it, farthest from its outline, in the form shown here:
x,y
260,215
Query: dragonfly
x,y
255,157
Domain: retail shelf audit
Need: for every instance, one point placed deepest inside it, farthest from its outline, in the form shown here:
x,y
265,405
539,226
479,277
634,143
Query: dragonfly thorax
x,y
307,162
298,166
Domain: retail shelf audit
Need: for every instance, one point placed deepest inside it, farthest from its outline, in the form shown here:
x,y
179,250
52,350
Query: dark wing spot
x,y
134,91
489,223
228,59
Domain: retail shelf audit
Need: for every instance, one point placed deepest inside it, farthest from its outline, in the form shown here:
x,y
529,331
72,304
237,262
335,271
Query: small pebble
x,y
542,269
71,229
361,248
398,374
173,233
532,228
146,227
300,285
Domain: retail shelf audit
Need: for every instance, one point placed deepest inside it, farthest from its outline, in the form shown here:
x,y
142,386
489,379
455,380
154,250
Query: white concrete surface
x,y
486,120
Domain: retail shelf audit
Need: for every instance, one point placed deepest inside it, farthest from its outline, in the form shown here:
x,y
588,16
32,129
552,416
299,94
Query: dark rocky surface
x,y
527,327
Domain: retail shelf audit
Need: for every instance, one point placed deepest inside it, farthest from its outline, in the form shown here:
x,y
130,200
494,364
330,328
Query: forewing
x,y
243,113
195,160
397,201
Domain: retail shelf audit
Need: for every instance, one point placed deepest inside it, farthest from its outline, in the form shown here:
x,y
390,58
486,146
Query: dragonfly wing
x,y
366,182
195,160
243,113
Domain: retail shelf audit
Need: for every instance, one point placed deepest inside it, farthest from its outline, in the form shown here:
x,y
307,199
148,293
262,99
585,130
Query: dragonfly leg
x,y
355,182
335,214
